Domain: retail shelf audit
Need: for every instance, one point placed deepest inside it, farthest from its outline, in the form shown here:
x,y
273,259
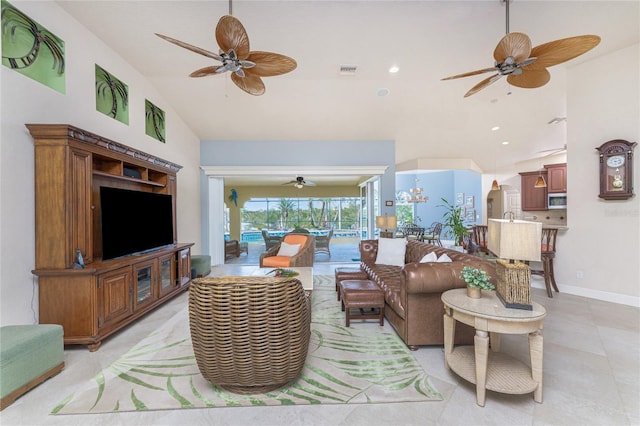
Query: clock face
x,y
615,161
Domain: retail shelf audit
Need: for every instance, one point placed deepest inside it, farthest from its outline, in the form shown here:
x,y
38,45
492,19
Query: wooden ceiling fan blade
x,y
559,51
190,47
515,45
269,64
470,73
530,78
203,72
230,34
484,83
252,84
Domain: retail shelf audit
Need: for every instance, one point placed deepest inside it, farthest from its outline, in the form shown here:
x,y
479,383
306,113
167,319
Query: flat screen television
x,y
134,221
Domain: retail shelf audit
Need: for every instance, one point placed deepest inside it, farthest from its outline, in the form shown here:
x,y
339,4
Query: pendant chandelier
x,y
540,182
416,195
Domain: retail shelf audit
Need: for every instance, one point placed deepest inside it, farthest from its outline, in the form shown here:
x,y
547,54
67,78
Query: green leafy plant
x,y
454,221
281,272
475,277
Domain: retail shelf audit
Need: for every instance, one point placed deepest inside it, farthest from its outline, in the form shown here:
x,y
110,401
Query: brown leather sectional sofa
x,y
412,292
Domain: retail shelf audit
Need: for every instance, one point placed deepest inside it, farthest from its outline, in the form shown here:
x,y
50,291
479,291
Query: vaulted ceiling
x,y
427,40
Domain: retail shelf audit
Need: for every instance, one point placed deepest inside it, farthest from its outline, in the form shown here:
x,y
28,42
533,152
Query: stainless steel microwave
x,y
557,201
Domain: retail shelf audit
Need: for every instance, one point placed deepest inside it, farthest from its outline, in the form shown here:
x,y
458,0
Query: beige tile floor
x,y
591,377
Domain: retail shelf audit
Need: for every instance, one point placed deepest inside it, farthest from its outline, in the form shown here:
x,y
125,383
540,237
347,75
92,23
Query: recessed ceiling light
x,y
494,128
383,92
505,142
394,69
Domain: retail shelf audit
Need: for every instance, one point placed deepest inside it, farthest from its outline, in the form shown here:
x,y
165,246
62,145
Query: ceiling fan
x,y
246,67
526,67
300,183
553,151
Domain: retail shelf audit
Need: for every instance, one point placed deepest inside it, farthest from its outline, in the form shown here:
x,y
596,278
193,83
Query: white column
x,y
216,219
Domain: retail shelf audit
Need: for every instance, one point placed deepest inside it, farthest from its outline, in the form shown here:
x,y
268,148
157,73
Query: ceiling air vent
x,y
348,69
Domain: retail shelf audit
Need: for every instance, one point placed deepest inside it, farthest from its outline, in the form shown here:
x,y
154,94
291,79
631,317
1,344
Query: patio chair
x,y
231,248
303,257
322,243
270,240
249,334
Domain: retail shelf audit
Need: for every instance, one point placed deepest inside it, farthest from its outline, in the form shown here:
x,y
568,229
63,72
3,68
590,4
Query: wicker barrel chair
x,y
250,334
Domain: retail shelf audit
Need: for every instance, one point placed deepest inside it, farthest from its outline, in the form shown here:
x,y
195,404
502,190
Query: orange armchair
x,y
304,256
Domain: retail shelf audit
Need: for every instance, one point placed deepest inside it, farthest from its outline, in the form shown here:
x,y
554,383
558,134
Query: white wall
x,y
27,101
603,103
602,244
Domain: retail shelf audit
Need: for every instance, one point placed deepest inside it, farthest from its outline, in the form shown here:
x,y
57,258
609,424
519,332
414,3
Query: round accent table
x,y
495,371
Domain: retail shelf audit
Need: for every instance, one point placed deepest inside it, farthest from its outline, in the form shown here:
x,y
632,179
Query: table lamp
x,y
514,241
386,222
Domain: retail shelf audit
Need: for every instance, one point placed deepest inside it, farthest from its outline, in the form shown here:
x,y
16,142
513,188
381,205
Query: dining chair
x,y
548,253
432,234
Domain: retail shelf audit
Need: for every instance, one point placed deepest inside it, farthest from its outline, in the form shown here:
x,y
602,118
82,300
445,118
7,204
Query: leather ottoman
x,y
348,274
362,294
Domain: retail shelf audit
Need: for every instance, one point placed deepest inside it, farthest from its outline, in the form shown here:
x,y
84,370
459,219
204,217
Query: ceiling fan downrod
x,y
507,13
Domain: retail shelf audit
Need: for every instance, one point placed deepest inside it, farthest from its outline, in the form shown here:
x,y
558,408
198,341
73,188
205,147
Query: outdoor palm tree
x,y
285,206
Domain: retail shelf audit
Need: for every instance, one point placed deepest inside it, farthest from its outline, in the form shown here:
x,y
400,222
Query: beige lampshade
x,y
514,240
386,222
494,185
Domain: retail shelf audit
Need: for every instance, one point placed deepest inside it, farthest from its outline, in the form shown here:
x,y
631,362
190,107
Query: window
x,y
285,214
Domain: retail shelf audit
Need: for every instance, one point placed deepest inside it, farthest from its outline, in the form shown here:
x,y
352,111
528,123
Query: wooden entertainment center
x,y
93,302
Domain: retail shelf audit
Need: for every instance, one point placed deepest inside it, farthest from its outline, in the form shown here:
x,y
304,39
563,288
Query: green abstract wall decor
x,y
32,50
112,96
154,121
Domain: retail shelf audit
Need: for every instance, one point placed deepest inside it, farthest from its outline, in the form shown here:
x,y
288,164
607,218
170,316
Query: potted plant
x,y
477,280
454,221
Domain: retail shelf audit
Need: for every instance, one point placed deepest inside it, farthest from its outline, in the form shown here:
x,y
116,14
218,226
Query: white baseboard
x,y
593,294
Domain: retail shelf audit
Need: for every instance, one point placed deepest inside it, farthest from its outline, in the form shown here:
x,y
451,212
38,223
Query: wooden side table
x,y
495,371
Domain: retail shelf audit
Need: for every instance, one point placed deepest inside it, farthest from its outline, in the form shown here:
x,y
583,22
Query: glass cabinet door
x,y
144,275
167,274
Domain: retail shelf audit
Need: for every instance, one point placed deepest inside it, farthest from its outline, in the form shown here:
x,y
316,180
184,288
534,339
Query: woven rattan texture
x,y
514,282
250,334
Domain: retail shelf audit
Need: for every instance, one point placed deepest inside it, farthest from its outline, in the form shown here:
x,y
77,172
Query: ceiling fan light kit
x,y
526,67
247,68
300,183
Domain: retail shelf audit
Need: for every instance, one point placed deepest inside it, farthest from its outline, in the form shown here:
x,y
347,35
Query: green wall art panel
x,y
32,50
112,96
154,121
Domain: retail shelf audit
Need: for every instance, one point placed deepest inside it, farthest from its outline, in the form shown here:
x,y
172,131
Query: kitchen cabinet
x,y
533,199
556,178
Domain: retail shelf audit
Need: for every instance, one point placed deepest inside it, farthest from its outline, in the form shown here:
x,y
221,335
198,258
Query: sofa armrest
x,y
431,277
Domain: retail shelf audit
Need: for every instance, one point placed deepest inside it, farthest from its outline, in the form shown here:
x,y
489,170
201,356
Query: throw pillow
x,y
431,257
288,249
444,258
391,251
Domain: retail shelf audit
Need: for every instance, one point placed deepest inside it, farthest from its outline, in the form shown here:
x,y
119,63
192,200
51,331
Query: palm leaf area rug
x,y
363,363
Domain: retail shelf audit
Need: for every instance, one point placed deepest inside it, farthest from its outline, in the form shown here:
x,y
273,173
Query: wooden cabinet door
x,y
184,266
145,283
167,274
114,297
80,202
557,178
533,198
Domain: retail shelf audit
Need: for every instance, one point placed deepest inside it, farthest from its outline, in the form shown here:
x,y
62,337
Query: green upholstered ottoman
x,y
29,355
201,263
